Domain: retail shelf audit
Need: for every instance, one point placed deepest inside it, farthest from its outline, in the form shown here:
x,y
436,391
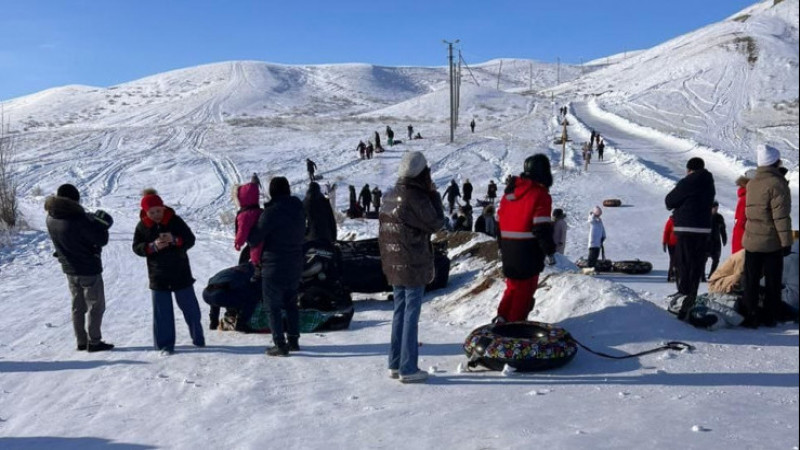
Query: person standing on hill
x,y
717,239
559,230
472,125
767,238
739,218
411,213
597,235
311,167
452,193
466,189
164,239
668,243
376,198
526,237
377,140
389,135
601,147
78,238
410,132
281,230
491,191
362,149
320,221
365,198
690,202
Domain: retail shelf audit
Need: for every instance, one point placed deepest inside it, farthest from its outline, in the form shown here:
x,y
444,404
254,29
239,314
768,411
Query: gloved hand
x,y
787,251
665,248
550,260
104,218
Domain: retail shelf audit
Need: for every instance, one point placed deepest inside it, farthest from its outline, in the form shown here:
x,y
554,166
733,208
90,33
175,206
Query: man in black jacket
x,y
690,202
281,228
321,223
78,238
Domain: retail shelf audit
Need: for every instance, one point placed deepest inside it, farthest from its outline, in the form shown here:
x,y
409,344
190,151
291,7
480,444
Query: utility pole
x,y
564,145
500,70
558,70
530,76
452,89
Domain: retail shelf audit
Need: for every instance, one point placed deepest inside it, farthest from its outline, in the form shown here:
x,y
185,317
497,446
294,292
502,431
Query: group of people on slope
x,y
368,149
766,237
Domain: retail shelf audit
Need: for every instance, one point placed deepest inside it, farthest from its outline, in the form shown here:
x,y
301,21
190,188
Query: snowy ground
x,y
739,389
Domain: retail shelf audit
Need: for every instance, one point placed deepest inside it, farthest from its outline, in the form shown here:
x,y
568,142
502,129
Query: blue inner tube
x,y
525,346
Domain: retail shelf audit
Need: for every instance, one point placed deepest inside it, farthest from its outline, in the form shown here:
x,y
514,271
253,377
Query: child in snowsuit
x,y
597,235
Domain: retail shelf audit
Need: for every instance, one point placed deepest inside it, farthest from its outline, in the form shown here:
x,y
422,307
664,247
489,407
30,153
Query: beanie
x,y
767,155
412,164
597,211
69,191
279,187
696,164
150,201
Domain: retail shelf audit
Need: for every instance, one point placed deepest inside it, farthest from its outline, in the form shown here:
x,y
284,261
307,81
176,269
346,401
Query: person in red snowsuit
x,y
526,237
739,219
668,242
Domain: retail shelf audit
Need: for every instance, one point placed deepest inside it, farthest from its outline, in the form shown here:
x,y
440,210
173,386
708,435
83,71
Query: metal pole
x,y
452,94
558,71
498,74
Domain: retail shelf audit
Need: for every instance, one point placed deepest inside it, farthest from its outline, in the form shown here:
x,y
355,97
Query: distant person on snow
x,y
690,202
410,132
491,191
418,135
526,237
466,188
597,235
390,135
559,230
365,198
411,213
164,239
739,218
281,229
486,223
320,221
601,147
767,238
311,167
377,140
668,243
717,239
78,238
452,193
362,149
472,125
376,198
369,150
354,210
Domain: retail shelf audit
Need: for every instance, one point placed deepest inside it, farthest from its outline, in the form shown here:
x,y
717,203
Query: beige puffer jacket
x,y
728,276
769,205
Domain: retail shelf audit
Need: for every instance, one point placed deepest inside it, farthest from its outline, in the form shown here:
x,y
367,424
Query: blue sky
x,y
48,43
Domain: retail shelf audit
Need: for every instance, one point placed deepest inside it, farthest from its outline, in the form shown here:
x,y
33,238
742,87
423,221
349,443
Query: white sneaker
x,y
394,374
417,377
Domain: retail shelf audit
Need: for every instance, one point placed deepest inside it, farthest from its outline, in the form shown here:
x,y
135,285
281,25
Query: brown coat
x,y
769,205
728,276
409,215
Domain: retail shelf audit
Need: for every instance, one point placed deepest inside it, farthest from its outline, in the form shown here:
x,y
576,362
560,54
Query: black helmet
x,y
537,168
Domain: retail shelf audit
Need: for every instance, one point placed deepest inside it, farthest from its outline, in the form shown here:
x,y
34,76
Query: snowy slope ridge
x,y
728,86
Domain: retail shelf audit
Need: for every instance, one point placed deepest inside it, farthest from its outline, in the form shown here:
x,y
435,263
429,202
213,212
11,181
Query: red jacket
x,y
739,220
669,237
246,219
526,233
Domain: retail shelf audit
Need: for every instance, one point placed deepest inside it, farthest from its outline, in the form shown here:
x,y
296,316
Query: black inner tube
x,y
519,331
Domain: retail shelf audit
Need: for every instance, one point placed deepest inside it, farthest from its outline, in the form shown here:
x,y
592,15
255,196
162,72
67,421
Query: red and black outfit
x,y
669,241
526,237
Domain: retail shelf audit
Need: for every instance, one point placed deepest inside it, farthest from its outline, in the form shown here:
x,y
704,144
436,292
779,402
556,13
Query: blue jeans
x,y
404,350
164,317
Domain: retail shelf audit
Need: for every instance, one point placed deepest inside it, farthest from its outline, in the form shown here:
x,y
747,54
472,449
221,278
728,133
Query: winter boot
x,y
99,347
278,350
293,343
213,318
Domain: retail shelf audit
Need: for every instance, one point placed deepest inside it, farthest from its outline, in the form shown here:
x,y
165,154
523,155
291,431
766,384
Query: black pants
x,y
714,255
691,263
770,266
594,253
671,275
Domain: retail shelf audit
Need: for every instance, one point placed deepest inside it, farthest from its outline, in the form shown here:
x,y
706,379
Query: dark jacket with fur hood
x,y
77,236
168,268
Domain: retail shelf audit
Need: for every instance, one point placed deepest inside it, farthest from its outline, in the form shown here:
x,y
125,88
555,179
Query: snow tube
x,y
612,202
525,346
602,265
634,267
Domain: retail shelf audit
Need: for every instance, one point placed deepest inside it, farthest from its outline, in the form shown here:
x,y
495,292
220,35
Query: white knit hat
x,y
412,164
597,211
767,155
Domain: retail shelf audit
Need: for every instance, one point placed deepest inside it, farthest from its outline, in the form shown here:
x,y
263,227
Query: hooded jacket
x,y
739,220
168,268
526,231
247,217
768,211
77,236
281,229
320,222
597,231
690,202
410,213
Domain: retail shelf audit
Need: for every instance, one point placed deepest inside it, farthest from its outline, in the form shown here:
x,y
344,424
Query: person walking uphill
x,y
767,238
78,238
597,235
163,238
311,167
320,221
411,212
690,202
466,189
281,228
452,193
526,237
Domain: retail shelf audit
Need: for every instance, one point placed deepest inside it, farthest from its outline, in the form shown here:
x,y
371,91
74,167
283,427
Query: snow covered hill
x,y
194,133
728,86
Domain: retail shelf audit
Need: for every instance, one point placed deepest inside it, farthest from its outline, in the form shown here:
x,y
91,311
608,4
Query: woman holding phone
x,y
164,238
